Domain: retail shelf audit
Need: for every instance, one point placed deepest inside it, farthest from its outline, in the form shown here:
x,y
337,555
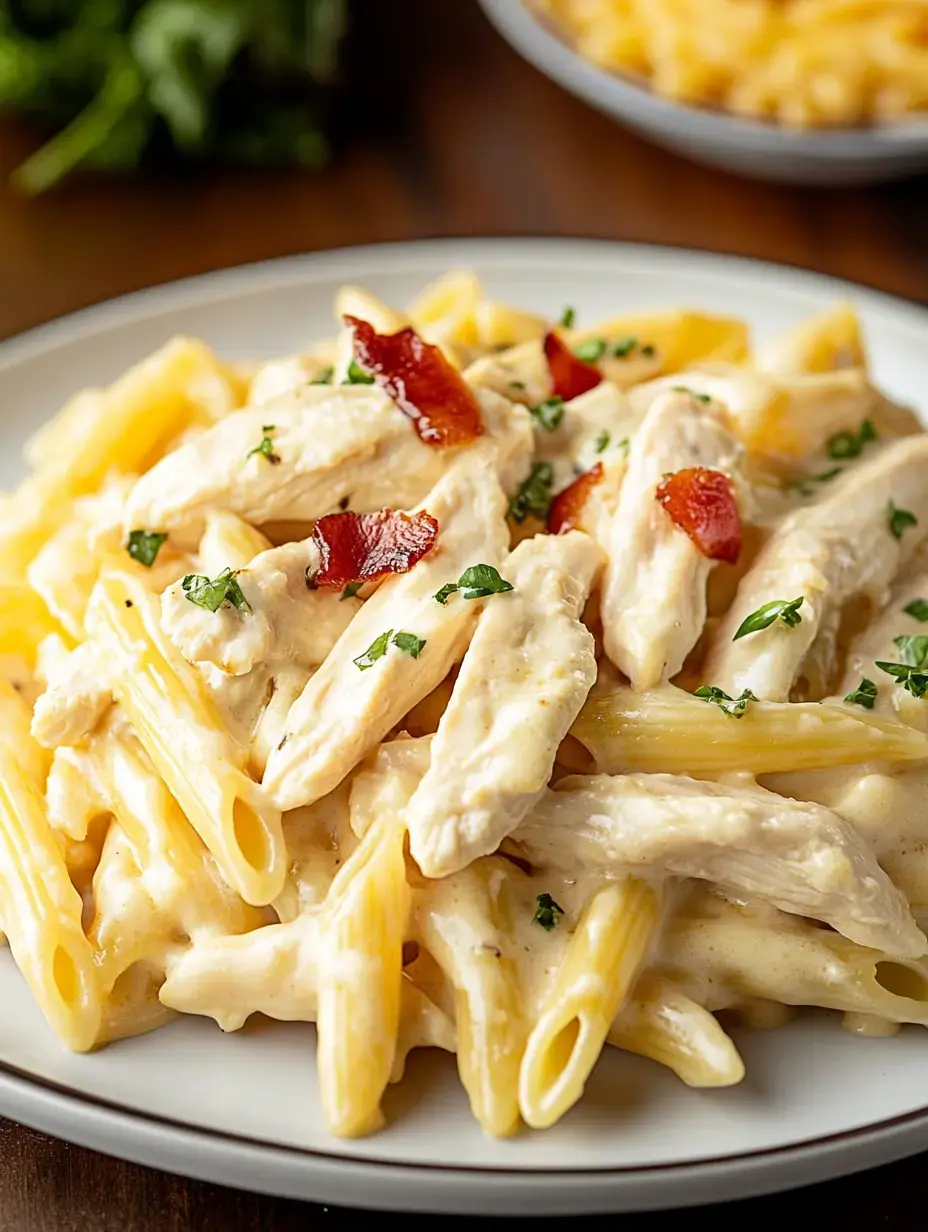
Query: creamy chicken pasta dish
x,y
477,681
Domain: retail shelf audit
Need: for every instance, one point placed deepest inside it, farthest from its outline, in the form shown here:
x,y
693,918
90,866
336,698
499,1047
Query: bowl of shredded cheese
x,y
795,91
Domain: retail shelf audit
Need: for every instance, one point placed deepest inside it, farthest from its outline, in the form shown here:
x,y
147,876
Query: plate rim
x,y
536,42
232,1159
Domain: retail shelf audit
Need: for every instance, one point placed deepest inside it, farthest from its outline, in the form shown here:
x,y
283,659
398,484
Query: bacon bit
x,y
421,382
571,376
702,503
567,506
358,547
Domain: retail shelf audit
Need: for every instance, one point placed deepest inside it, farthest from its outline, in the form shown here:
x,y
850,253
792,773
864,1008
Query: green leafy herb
x,y
864,695
786,610
214,594
900,520
324,377
376,650
357,376
516,384
591,350
623,446
568,316
911,679
734,706
351,590
802,485
409,643
266,448
547,912
624,346
534,494
850,444
602,441
549,413
481,580
917,608
647,350
684,389
144,546
442,596
913,649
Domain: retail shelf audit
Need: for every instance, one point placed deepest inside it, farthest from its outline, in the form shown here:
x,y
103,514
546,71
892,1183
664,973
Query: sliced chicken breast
x,y
846,547
76,697
348,707
800,857
527,672
654,588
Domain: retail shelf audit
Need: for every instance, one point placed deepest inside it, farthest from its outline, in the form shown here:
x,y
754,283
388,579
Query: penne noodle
x,y
603,957
180,731
668,731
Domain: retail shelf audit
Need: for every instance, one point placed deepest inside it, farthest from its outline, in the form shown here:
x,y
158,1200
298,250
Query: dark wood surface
x,y
444,132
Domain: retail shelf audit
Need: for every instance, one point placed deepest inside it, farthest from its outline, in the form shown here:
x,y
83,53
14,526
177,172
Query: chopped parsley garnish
x,y
917,608
623,446
534,494
351,590
900,520
864,695
516,384
144,546
647,350
734,706
602,441
624,346
477,582
214,594
357,376
802,485
376,650
547,912
409,643
850,444
913,649
684,389
786,610
324,377
591,350
568,316
549,413
912,672
266,448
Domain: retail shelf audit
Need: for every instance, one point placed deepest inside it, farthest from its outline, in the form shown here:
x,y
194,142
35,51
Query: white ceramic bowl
x,y
753,148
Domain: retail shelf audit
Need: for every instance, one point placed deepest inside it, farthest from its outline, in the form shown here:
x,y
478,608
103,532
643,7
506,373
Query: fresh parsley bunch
x,y
119,81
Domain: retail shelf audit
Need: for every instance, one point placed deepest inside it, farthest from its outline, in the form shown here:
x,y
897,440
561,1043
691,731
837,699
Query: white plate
x,y
242,1109
755,148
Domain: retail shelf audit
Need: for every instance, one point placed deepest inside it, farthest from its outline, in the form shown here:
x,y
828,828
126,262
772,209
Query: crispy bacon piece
x,y
571,376
567,506
421,382
358,547
702,502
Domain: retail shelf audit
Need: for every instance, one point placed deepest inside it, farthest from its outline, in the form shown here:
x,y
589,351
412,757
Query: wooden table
x,y
447,133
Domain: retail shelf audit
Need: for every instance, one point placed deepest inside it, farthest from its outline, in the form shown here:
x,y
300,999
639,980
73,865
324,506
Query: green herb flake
x,y
864,695
357,376
591,350
547,912
917,608
568,316
144,546
324,377
520,385
351,590
786,610
216,593
913,650
705,399
266,448
900,520
549,413
648,351
623,446
409,643
850,444
733,706
534,494
624,346
602,441
802,485
376,650
442,596
911,679
479,581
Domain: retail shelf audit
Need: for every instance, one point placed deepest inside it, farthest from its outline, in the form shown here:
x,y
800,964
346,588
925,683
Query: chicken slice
x,y
77,695
345,711
332,444
843,548
654,588
800,857
288,622
527,672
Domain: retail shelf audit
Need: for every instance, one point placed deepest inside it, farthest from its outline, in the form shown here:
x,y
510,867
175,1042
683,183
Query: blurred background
x,y
146,140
